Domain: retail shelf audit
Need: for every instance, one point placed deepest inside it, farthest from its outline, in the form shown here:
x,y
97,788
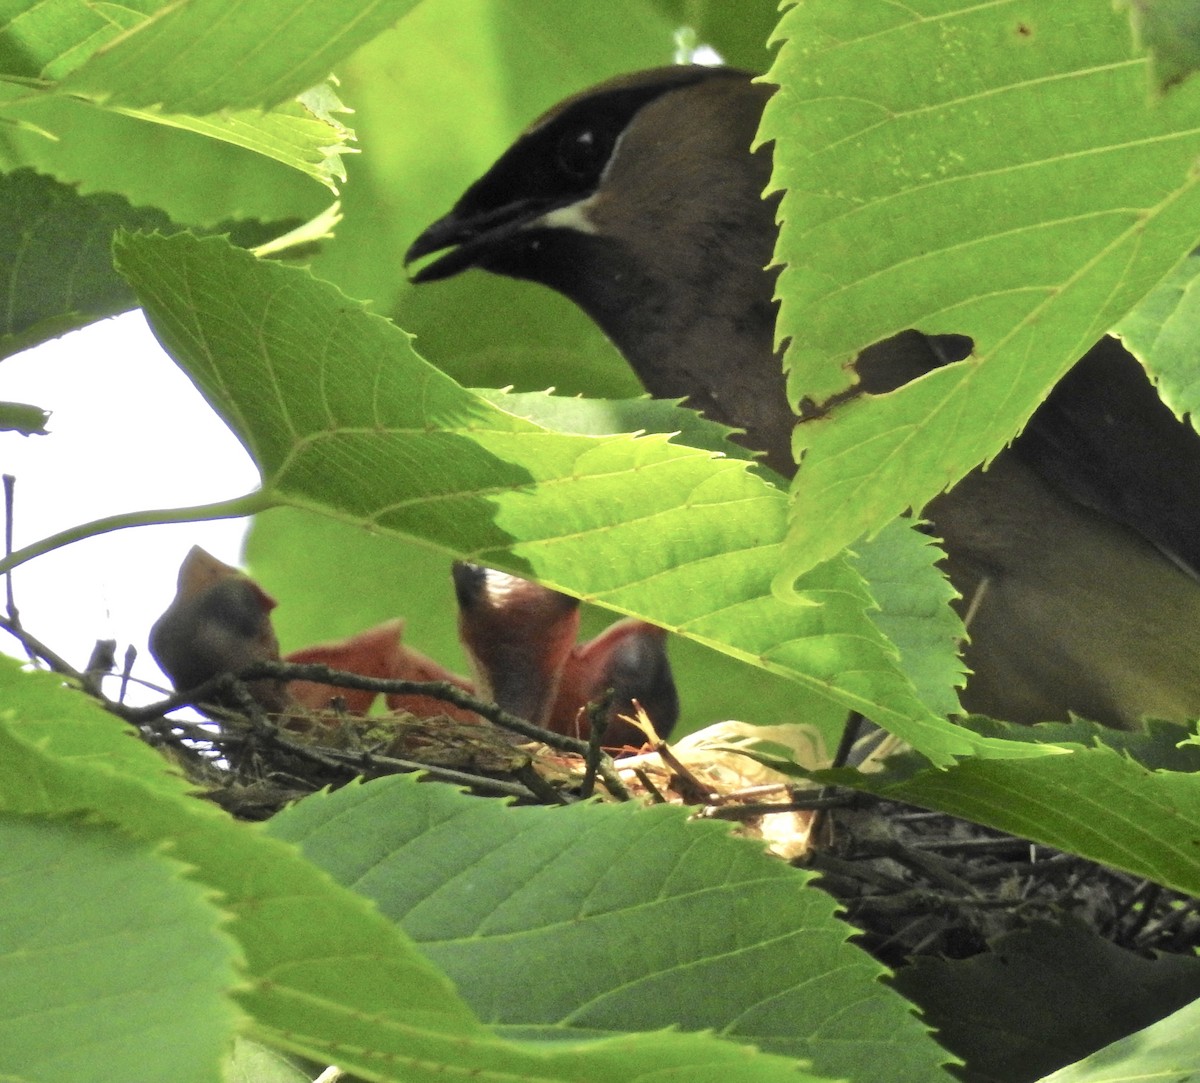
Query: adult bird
x,y
1076,552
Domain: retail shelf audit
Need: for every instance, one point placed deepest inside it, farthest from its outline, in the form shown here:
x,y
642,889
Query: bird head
x,y
642,201
517,636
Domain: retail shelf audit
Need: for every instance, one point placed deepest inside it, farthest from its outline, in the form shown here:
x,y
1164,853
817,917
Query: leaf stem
x,y
250,504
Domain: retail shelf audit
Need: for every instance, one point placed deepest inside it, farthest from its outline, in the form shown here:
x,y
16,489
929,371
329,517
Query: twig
x,y
916,816
10,483
14,616
904,935
850,732
250,504
38,650
102,662
685,774
597,714
926,899
1147,893
820,861
976,601
443,690
539,787
206,693
222,687
644,778
929,866
127,672
766,808
369,761
979,846
342,760
926,941
1002,870
749,792
1155,931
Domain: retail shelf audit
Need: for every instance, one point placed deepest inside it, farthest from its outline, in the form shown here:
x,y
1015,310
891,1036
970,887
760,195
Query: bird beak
x,y
469,235
517,635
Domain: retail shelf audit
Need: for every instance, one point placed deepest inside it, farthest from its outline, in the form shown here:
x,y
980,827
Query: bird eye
x,y
581,153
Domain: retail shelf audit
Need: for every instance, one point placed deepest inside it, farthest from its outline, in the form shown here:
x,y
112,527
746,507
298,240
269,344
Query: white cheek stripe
x,y
573,216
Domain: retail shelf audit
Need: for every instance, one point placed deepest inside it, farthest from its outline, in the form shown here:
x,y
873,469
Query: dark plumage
x,y
1076,552
218,622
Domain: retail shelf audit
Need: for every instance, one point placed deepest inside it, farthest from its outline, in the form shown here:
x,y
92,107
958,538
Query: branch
x,y
37,649
219,687
251,504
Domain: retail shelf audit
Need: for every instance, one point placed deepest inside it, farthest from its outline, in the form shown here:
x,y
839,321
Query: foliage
x,y
1008,172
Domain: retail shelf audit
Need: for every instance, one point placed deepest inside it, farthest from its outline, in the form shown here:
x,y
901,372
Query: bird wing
x,y
1107,441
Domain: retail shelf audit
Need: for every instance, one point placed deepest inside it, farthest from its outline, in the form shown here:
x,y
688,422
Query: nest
x,y
915,883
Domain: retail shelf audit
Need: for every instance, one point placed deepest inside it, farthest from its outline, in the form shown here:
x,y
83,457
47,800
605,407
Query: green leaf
x,y
614,918
296,134
254,1063
112,964
1167,1050
200,57
1043,997
57,246
342,416
333,579
914,610
1159,746
1169,30
738,32
958,193
190,177
602,417
206,55
197,170
202,67
42,41
1162,332
63,754
23,418
1093,801
326,975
